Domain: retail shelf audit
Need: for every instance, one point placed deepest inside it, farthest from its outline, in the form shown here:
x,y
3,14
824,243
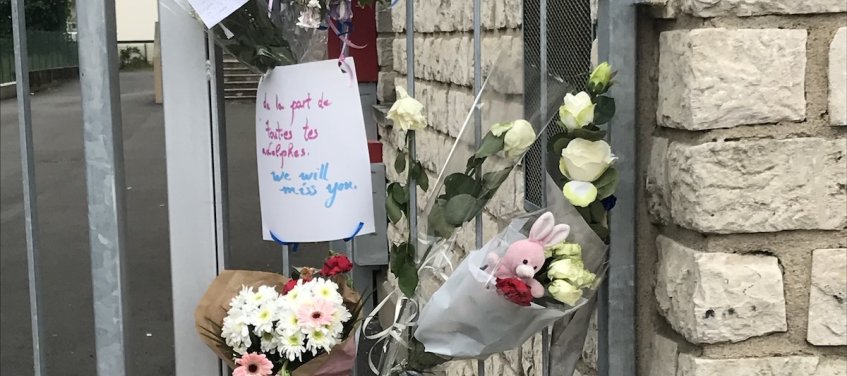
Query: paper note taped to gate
x,y
214,11
312,154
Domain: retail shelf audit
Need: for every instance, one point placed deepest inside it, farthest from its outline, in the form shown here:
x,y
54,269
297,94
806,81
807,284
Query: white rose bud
x,y
578,110
519,136
585,160
407,112
564,292
580,193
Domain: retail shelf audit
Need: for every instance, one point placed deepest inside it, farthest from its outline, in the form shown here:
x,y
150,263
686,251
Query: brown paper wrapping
x,y
213,306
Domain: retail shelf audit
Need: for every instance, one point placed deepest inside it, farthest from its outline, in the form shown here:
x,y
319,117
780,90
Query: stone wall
x,y
742,246
443,82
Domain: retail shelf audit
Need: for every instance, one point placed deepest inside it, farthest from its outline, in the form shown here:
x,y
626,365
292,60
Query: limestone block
x,y
828,298
658,194
759,185
831,367
712,297
664,358
838,78
385,86
717,8
385,51
690,365
720,78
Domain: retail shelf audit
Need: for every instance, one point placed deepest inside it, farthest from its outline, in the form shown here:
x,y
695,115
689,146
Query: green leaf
x,y
604,109
607,183
474,164
403,267
400,163
490,145
436,224
588,134
423,181
597,212
601,231
491,181
399,193
460,209
458,183
393,209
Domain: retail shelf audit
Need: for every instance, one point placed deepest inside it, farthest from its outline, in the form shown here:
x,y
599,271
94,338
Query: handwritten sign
x,y
214,11
311,149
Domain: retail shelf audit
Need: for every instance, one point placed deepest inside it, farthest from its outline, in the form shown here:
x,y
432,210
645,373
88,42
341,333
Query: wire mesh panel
x,y
567,30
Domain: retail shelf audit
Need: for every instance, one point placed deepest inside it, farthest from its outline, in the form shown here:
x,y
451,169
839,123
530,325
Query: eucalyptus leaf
x,y
399,193
400,163
393,209
607,183
604,109
436,224
459,183
460,209
403,267
490,145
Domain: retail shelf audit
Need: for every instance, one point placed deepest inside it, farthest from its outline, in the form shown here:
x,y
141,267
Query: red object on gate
x,y
375,151
363,34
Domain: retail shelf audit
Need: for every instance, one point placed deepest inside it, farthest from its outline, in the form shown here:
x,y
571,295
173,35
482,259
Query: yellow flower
x,y
519,136
585,160
407,112
564,292
577,111
579,193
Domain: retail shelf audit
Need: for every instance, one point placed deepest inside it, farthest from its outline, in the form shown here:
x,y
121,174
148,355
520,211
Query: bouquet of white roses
x,y
275,326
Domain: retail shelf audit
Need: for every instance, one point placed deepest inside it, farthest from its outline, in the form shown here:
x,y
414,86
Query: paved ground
x,y
65,267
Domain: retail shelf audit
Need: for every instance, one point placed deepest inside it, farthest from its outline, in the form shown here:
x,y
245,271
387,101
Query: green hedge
x,y
47,50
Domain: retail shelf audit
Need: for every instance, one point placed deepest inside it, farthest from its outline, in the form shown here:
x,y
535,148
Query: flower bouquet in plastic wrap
x,y
263,323
520,282
264,34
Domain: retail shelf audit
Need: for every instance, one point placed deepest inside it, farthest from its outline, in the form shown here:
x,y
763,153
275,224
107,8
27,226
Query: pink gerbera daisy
x,y
253,364
317,313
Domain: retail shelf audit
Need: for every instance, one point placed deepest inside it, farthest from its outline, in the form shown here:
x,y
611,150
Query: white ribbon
x,y
395,330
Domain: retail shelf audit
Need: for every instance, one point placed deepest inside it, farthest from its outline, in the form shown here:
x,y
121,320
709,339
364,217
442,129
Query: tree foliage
x,y
47,15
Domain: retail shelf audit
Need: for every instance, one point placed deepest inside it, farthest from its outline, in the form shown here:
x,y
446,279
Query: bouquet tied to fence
x,y
265,324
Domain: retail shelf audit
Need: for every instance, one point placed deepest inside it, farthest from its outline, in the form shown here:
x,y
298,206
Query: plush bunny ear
x,y
558,235
542,227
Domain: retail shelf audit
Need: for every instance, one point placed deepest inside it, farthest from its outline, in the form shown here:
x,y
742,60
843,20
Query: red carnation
x,y
335,265
289,286
515,290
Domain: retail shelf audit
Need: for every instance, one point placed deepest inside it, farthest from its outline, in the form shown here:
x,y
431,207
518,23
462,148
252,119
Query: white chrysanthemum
x,y
326,289
291,346
263,319
269,343
240,300
236,332
319,339
299,295
287,323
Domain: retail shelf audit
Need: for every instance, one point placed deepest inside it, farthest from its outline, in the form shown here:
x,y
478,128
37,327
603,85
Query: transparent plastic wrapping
x,y
263,39
467,318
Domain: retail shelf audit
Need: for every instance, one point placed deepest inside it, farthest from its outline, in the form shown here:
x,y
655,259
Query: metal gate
x,y
558,39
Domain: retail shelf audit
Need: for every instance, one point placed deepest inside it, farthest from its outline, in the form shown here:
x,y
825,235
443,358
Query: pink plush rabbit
x,y
524,257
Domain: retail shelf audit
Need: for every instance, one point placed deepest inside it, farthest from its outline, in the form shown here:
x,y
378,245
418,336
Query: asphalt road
x,y
63,236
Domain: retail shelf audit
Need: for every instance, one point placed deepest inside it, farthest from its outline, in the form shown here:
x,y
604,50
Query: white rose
x,y
578,110
407,112
579,193
564,292
585,160
519,136
571,270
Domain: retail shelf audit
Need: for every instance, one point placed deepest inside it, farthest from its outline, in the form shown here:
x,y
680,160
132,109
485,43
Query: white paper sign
x,y
312,154
214,11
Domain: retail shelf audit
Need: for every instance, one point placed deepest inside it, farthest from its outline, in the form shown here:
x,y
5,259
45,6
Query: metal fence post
x,y
616,314
28,178
477,86
101,106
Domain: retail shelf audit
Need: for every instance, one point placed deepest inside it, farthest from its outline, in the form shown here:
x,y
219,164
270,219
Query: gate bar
x,y
546,361
29,192
477,85
101,105
616,314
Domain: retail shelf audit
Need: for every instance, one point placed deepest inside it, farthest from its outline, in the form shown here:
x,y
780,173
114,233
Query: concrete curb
x,y
39,80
